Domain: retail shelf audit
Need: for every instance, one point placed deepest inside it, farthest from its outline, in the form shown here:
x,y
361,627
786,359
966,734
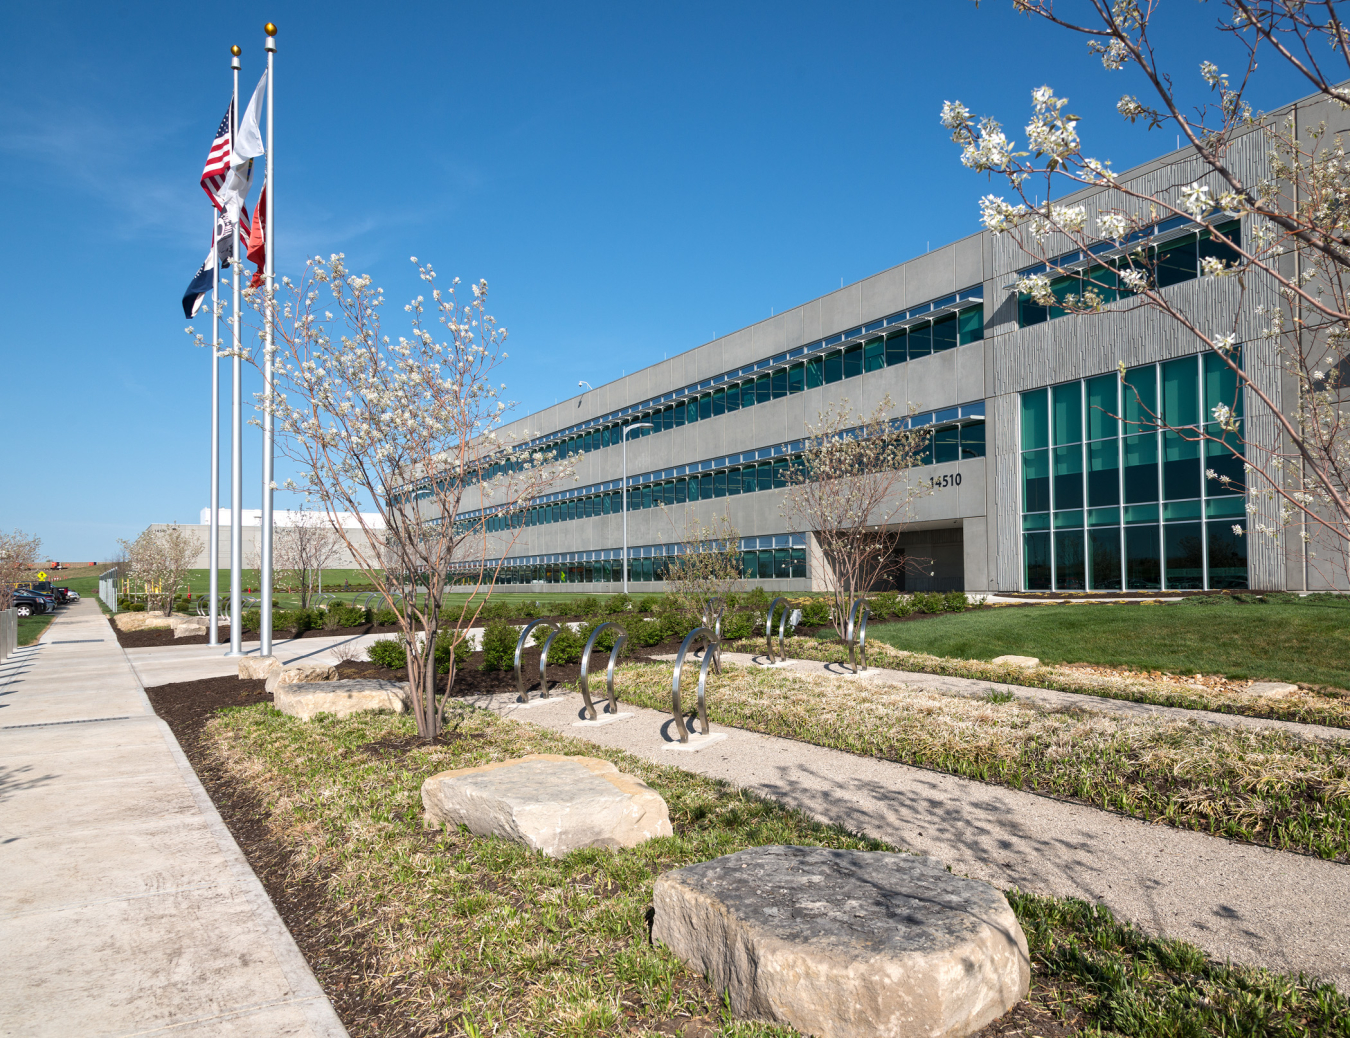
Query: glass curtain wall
x,y
1111,501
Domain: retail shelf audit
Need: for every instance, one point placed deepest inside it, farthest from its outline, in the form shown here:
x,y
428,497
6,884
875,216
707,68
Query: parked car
x,y
44,587
31,603
71,596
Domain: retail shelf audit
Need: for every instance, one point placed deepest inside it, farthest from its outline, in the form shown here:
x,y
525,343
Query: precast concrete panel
x,y
883,294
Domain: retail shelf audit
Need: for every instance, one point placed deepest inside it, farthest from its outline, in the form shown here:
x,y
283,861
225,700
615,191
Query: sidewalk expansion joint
x,y
52,724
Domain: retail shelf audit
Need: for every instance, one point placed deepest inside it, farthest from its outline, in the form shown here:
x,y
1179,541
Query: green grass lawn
x,y
31,627
1286,638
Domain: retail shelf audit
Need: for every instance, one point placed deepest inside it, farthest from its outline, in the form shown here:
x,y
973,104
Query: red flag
x,y
257,238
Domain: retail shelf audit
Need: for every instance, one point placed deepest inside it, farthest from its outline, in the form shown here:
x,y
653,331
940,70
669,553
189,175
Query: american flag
x,y
218,160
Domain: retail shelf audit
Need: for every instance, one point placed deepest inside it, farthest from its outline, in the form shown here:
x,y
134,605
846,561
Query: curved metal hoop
x,y
709,639
782,629
713,608
619,639
366,603
856,632
521,695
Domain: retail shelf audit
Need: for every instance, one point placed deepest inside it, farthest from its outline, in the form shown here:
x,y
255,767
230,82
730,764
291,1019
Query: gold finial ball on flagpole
x,y
270,29
235,50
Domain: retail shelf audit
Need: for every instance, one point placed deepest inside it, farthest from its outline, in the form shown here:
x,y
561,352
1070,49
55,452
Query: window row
x,y
895,347
948,444
1181,259
1172,557
764,564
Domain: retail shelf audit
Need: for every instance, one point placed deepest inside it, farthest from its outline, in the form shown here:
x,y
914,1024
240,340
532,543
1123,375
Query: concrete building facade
x,y
1045,474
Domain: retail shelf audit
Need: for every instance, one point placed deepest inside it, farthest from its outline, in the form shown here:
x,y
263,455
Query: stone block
x,y
1273,689
846,944
256,667
1017,661
549,802
340,698
300,674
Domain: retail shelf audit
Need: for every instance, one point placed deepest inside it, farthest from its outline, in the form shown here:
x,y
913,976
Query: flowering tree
x,y
708,566
301,551
18,555
159,560
1287,267
406,429
852,489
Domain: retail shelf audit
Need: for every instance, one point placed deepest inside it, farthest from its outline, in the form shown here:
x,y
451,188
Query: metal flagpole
x,y
236,423
269,233
213,637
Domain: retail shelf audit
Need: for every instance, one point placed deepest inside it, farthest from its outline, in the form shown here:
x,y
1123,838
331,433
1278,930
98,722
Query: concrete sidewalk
x,y
127,907
1237,901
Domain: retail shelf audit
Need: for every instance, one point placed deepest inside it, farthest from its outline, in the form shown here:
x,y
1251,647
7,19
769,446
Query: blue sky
x,y
631,180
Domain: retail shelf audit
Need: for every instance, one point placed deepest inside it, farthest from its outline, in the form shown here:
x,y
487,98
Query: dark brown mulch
x,y
163,636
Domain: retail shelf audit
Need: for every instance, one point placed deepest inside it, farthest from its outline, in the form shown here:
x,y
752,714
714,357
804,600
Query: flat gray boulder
x,y
846,944
341,698
549,802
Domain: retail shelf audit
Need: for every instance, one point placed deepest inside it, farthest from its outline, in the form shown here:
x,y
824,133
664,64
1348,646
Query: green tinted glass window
x,y
1068,477
1068,413
920,340
1177,262
895,347
749,484
1221,385
733,398
1036,481
763,392
705,407
764,473
971,324
815,373
1102,406
972,440
1141,468
1103,477
1035,419
780,468
1181,467
1139,394
874,355
853,361
834,366
780,383
947,445
719,401
797,378
944,334
1181,392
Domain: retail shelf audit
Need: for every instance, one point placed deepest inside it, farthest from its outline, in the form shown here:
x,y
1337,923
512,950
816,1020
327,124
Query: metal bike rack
x,y
782,630
523,696
709,639
713,608
619,639
366,603
856,632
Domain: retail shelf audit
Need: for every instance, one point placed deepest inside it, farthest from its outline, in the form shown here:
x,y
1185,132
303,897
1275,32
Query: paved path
x,y
1240,902
126,908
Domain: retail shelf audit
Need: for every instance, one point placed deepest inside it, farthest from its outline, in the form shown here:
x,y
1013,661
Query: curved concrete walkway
x,y
127,907
1239,902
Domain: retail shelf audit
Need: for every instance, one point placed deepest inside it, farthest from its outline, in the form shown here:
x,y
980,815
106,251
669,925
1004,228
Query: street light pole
x,y
626,430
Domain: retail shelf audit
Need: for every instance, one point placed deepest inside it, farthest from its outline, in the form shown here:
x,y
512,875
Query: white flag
x,y
247,145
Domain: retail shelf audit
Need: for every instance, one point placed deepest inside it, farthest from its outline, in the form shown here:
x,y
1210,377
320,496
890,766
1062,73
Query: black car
x,y
31,603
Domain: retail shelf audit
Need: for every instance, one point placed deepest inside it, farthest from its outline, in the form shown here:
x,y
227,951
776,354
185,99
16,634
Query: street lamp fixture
x,y
626,430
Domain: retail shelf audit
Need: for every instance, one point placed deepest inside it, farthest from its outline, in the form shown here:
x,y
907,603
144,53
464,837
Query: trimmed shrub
x,y
389,653
588,606
646,632
499,646
251,620
615,604
649,603
603,643
529,611
756,599
738,625
930,602
956,601
815,612
566,646
904,605
883,603
443,649
386,617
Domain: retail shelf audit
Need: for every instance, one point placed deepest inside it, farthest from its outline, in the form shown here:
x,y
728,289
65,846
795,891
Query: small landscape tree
x,y
708,566
159,560
852,489
406,429
18,555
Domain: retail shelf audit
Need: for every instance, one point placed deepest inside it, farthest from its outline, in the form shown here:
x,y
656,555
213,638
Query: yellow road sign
x,y
42,576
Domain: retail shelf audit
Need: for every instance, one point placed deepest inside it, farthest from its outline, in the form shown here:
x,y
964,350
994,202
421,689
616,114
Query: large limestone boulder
x,y
255,667
846,944
549,802
341,698
142,621
300,674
